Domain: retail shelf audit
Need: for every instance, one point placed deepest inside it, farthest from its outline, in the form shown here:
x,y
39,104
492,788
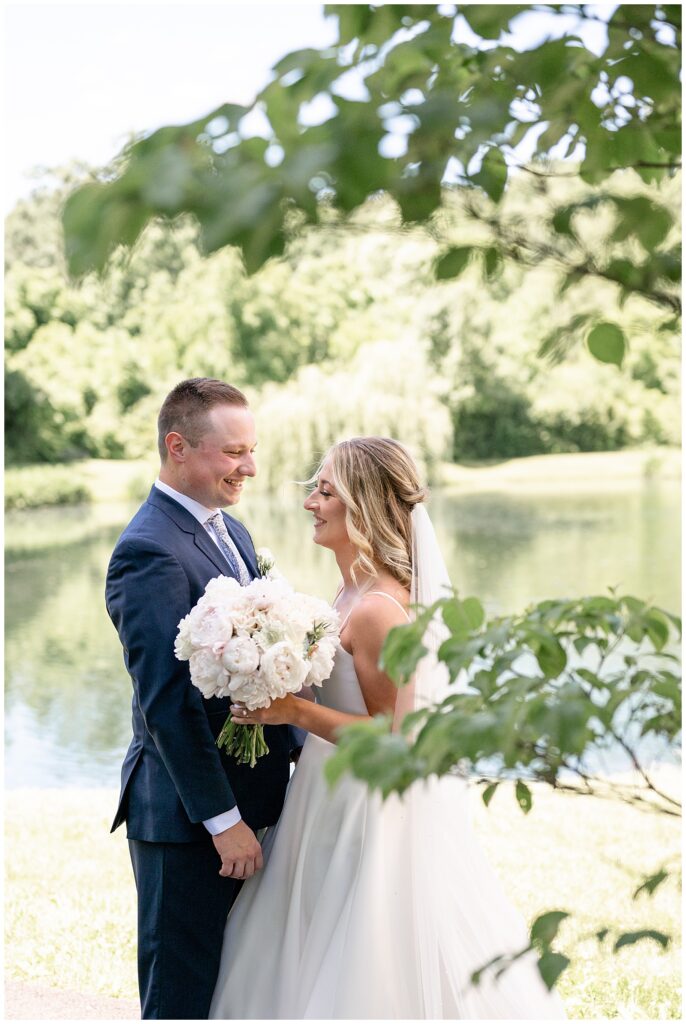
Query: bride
x,y
366,908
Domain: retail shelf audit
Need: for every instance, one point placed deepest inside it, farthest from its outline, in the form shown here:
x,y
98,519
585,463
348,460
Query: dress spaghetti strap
x,y
382,593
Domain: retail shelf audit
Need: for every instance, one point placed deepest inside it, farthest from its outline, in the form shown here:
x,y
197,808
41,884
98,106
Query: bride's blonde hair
x,y
378,482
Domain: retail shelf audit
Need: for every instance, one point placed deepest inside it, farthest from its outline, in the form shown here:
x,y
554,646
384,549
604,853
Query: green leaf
x,y
630,938
492,177
550,966
489,792
545,928
419,194
489,20
669,687
652,75
556,345
523,796
96,219
562,220
550,654
401,651
639,216
651,883
463,617
453,262
383,763
606,343
353,20
493,262
658,628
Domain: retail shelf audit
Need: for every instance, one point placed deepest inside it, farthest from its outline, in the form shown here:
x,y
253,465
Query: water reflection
x,y
68,696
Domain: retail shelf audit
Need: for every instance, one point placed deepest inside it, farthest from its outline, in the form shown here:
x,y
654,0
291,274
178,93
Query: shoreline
x,y
115,482
571,471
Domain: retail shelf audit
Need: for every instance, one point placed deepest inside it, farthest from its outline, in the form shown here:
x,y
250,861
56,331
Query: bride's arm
x,y
369,627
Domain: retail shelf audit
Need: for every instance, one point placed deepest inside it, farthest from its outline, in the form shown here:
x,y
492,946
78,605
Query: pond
x,y
68,696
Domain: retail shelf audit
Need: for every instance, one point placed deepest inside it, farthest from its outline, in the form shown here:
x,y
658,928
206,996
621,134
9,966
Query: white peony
x,y
240,655
244,619
221,590
283,669
250,690
321,662
183,644
208,673
209,625
255,644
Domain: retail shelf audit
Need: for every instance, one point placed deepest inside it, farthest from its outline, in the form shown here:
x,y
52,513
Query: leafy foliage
x,y
327,340
542,696
437,115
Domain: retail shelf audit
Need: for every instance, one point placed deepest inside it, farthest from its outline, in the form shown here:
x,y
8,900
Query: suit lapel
x,y
209,548
189,524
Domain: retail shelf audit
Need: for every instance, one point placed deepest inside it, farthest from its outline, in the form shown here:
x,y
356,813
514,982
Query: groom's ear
x,y
176,446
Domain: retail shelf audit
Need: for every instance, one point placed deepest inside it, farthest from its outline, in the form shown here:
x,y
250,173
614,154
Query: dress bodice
x,y
341,690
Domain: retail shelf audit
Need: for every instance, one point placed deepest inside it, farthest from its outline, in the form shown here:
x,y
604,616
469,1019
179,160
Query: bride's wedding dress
x,y
373,910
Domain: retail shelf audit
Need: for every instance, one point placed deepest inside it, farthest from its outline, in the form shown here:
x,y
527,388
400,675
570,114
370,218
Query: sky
x,y
81,77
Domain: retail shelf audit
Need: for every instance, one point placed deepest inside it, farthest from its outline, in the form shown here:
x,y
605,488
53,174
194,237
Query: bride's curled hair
x,y
377,480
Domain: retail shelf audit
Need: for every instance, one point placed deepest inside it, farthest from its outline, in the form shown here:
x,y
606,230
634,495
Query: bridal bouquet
x,y
255,644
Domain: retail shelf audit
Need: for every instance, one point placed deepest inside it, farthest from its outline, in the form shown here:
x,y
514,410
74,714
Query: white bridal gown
x,y
371,910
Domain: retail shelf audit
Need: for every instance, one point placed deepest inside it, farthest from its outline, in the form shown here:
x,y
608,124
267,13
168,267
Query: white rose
x,y
208,673
283,669
241,655
321,662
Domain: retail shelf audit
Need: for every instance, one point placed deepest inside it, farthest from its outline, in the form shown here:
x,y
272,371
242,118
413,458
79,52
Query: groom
x,y
191,812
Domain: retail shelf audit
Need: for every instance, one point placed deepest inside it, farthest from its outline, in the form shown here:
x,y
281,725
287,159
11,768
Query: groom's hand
x,y
240,852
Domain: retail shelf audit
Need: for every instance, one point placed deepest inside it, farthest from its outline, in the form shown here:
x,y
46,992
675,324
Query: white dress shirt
x,y
226,819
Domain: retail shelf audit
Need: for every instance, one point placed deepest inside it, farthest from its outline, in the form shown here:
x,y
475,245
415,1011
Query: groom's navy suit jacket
x,y
173,776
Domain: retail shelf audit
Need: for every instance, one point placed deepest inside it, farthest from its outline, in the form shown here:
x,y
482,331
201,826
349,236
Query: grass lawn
x,y
70,902
567,472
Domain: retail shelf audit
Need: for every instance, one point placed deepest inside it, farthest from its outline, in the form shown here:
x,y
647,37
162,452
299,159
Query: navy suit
x,y
173,776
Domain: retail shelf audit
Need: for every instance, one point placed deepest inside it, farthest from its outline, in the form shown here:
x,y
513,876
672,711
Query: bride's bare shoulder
x,y
383,607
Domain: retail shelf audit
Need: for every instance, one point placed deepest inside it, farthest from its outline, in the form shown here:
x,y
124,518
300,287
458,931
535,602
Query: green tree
x,y
439,117
162,311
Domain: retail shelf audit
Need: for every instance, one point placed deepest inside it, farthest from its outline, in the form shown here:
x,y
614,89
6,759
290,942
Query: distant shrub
x,y
33,486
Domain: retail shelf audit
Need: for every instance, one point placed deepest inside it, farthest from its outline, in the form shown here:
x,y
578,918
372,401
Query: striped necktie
x,y
228,548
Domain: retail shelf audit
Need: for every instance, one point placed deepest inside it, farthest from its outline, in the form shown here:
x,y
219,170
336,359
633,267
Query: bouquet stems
x,y
245,742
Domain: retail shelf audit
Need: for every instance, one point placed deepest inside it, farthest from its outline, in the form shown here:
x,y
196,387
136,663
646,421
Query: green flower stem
x,y
245,742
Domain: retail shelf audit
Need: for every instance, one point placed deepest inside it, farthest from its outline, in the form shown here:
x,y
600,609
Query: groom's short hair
x,y
186,407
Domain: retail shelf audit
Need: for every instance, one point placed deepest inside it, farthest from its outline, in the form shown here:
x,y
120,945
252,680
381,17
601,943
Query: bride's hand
x,y
279,712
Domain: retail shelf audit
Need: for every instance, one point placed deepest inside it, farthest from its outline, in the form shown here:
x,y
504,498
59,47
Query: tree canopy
x,y
424,102
346,333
